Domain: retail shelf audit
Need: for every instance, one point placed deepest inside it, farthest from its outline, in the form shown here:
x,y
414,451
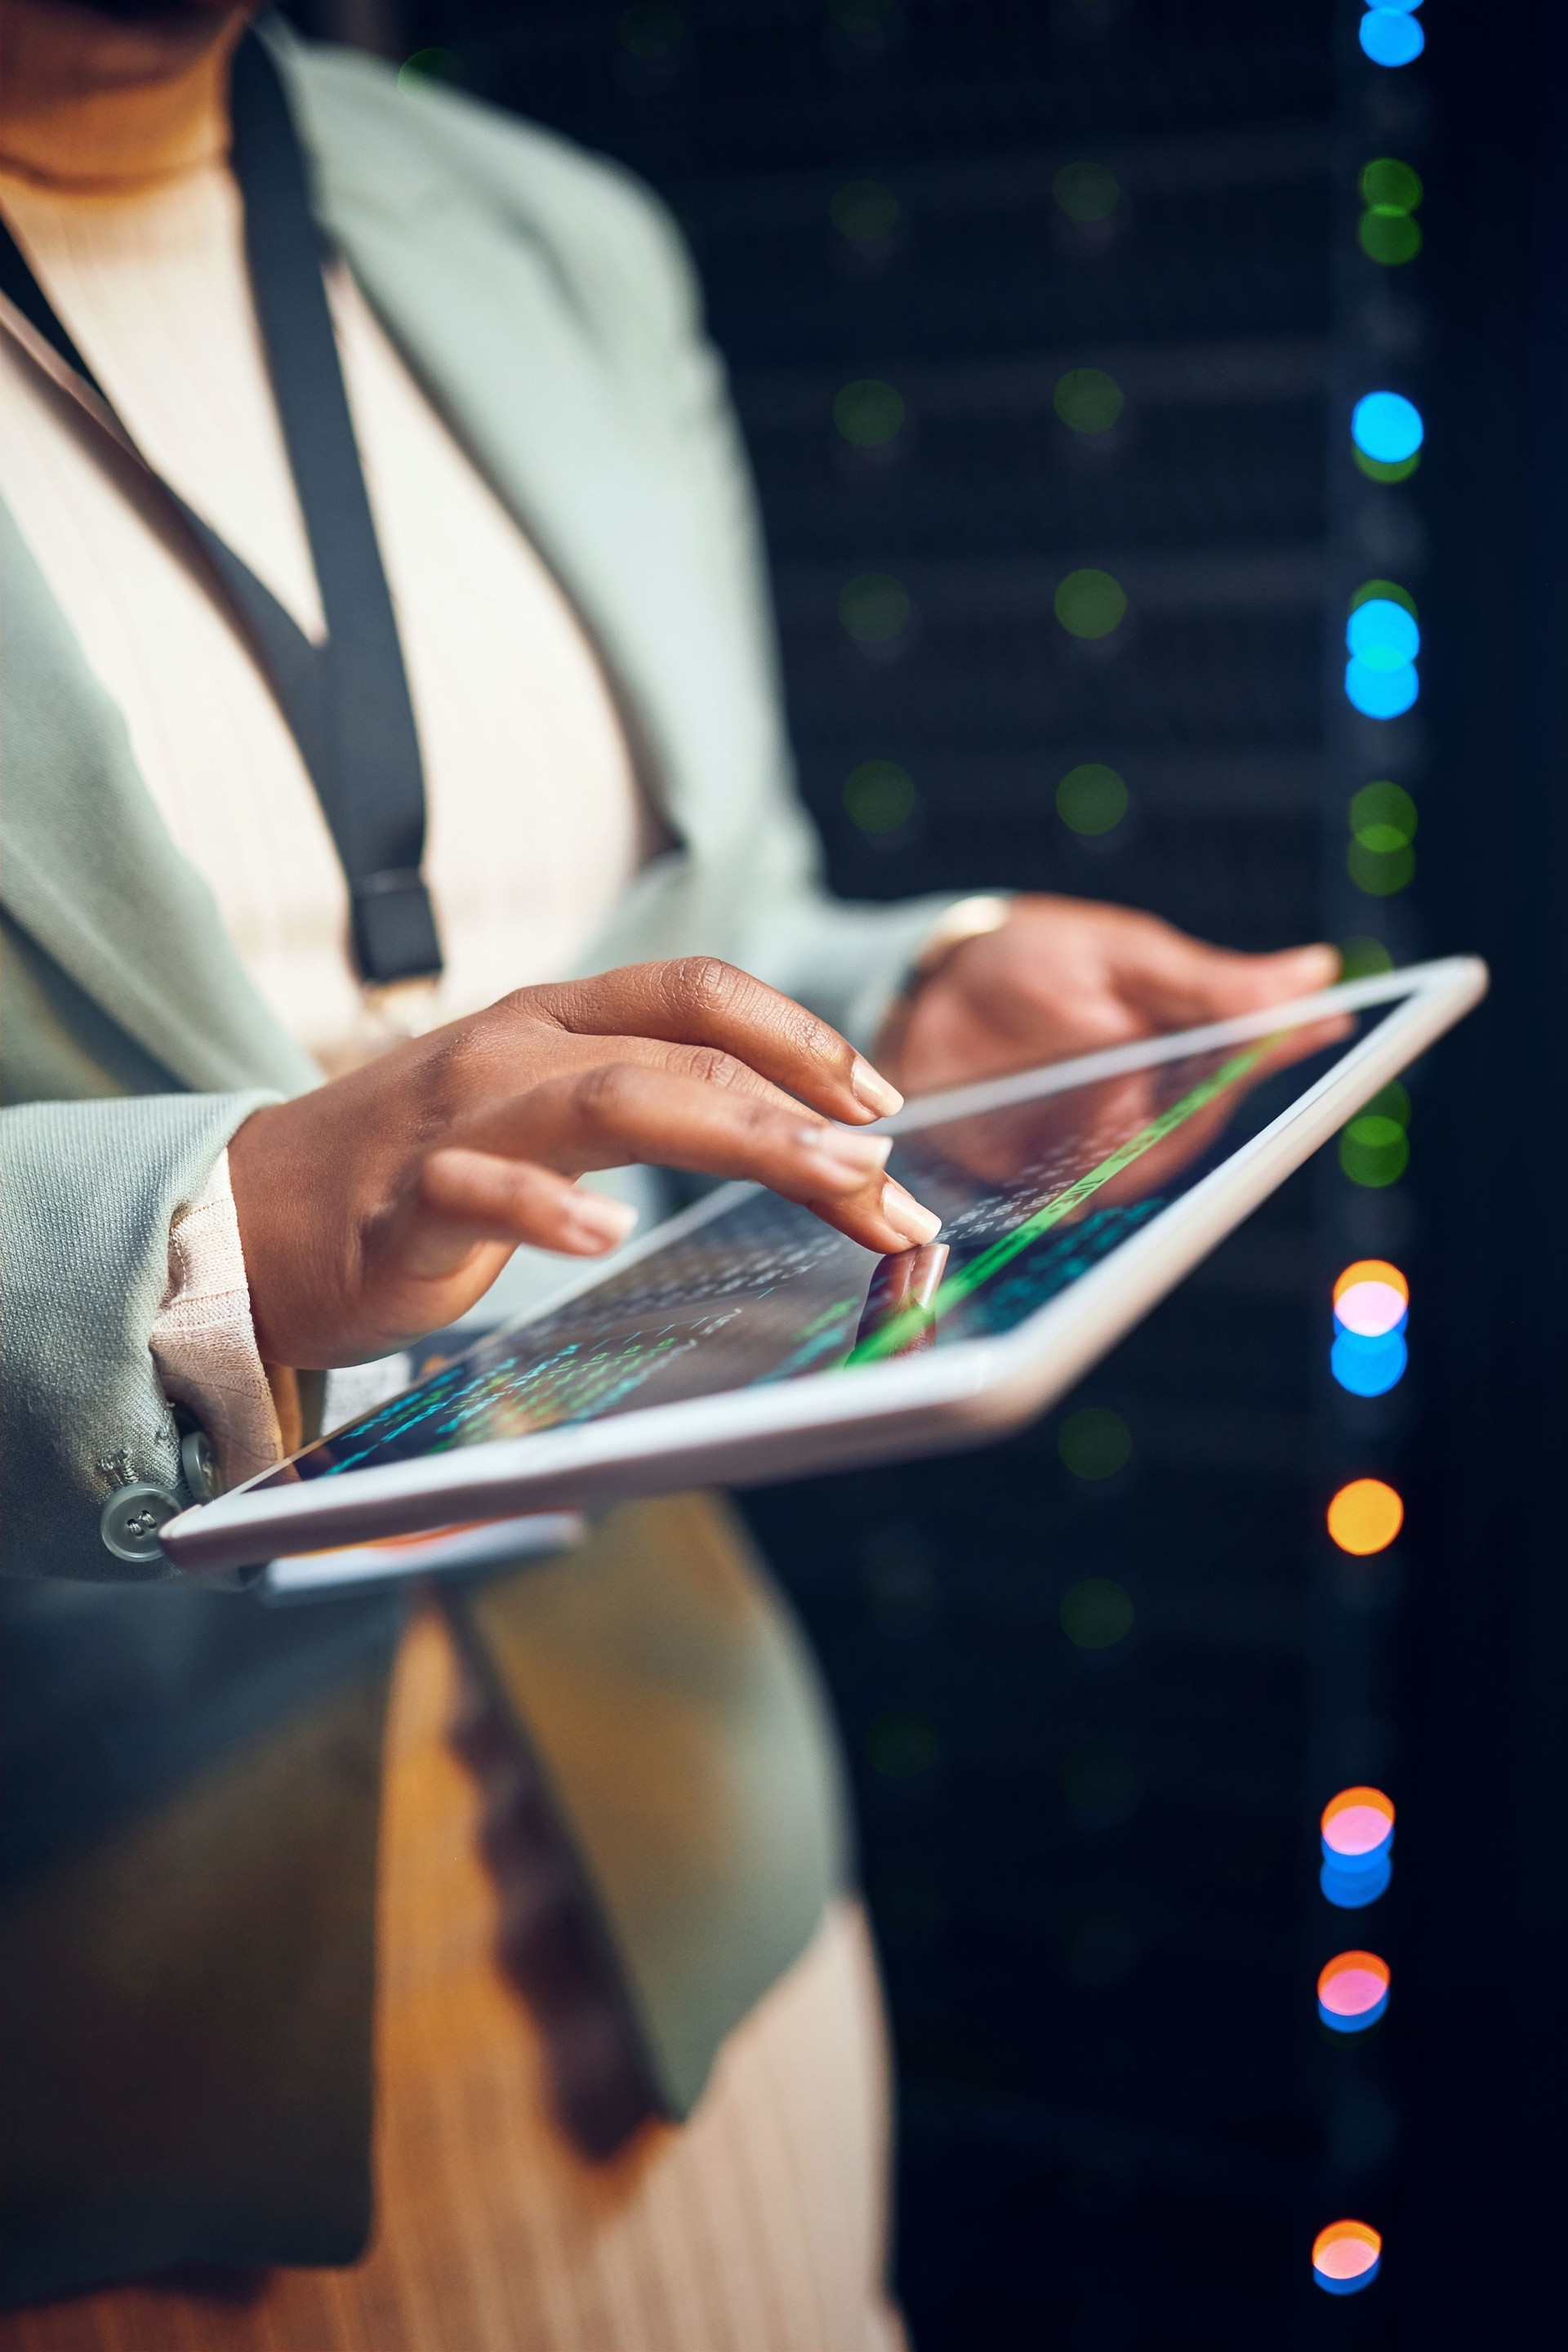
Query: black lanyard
x,y
346,702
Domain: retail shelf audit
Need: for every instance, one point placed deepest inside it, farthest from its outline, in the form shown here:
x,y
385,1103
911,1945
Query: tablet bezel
x,y
963,1394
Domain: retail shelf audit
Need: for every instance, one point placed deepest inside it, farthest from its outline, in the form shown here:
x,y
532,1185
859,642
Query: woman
x,y
383,646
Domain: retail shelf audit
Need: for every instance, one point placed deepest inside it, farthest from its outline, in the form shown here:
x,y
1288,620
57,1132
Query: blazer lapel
x,y
583,443
89,872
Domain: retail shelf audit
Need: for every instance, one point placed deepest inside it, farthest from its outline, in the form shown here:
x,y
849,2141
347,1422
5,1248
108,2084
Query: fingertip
x,y
1320,962
590,1225
910,1220
872,1091
1291,971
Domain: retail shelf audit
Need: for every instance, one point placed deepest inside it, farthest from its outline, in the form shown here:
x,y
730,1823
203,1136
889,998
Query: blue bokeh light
x,y
1381,693
1338,2022
1351,1882
1350,2285
1391,36
1369,1366
1382,634
1387,427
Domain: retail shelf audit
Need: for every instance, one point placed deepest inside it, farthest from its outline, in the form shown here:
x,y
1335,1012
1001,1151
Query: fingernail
x,y
906,1215
872,1090
593,1222
847,1157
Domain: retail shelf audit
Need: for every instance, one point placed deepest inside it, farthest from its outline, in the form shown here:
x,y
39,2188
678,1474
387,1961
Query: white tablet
x,y
745,1341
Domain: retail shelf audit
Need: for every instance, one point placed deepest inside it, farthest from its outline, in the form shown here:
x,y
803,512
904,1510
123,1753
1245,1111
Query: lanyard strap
x,y
346,702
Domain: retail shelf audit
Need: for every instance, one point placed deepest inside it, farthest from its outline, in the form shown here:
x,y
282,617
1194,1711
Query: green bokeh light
x,y
879,796
427,65
1385,469
863,211
1383,816
1374,1147
1387,181
1380,872
1379,858
1090,603
1094,1443
875,608
1388,236
1361,958
1392,1101
1089,400
1091,798
1373,1151
867,413
1086,192
1097,1614
1387,591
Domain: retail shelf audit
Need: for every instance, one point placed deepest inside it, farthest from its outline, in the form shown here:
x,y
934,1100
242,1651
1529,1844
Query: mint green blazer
x,y
546,304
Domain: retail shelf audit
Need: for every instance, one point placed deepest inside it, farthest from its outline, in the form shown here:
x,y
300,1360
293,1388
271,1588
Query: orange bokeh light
x,y
1371,1269
1365,1516
1345,2249
1358,1820
1352,1982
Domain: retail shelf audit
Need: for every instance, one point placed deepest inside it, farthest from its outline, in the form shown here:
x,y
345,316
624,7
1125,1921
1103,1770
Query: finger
x,y
622,1112
1176,982
890,1210
464,1197
618,1112
709,1064
494,1055
703,1000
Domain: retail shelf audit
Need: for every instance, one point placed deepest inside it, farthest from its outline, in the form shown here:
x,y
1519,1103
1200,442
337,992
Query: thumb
x,y
1178,981
1294,972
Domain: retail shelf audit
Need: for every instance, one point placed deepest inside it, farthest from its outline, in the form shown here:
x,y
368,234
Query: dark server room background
x,y
1048,322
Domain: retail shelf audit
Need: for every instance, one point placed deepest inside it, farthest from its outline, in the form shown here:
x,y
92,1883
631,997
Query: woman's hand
x,y
382,1206
1068,976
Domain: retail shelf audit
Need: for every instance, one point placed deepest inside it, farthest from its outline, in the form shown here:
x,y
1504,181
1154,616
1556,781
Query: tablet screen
x,y
1031,1196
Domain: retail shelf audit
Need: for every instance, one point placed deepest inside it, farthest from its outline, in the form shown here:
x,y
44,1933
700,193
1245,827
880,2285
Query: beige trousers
x,y
759,2226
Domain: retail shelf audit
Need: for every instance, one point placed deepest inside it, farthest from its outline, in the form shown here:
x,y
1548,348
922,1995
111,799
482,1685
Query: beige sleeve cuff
x,y
203,1341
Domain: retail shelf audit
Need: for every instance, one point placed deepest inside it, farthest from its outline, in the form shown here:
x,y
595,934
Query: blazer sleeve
x,y
90,1191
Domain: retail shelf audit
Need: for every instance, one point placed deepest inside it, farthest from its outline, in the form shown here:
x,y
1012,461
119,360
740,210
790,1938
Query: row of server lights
x,y
1356,1827
1369,1350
